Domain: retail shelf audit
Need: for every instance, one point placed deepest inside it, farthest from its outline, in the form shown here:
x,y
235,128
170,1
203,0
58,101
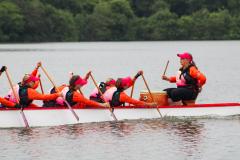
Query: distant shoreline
x,y
41,21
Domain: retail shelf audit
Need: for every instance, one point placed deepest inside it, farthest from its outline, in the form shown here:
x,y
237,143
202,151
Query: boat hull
x,y
55,116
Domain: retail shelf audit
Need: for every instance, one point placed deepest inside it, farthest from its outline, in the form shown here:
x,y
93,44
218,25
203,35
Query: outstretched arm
x,y
125,98
6,102
34,95
169,79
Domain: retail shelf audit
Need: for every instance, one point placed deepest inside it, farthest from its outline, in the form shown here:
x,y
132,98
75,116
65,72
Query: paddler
x,y
73,97
107,88
119,97
3,101
64,88
27,93
10,96
189,80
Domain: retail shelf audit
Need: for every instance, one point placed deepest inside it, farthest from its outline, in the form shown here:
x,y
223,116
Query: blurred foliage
x,y
118,20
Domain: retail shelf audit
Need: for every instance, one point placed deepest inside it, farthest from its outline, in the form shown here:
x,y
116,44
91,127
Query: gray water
x,y
177,139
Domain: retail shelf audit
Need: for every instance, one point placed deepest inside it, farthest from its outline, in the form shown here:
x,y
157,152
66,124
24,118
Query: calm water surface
x,y
176,139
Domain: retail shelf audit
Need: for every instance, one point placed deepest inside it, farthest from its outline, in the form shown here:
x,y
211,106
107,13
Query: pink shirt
x,y
180,81
109,93
10,96
94,93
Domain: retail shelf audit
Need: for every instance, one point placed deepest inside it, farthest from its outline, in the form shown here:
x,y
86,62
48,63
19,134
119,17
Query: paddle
x,y
165,68
16,97
133,86
150,94
95,83
68,105
132,91
136,76
81,91
40,82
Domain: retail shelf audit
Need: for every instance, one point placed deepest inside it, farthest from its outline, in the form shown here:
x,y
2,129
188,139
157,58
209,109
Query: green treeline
x,y
118,20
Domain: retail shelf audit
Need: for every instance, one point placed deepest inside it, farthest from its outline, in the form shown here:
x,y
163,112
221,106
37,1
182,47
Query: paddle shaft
x,y
150,93
81,92
68,105
16,97
95,83
165,68
132,91
40,82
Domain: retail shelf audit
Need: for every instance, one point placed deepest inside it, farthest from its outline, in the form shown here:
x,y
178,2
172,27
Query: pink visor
x,y
185,55
80,81
111,82
32,79
126,82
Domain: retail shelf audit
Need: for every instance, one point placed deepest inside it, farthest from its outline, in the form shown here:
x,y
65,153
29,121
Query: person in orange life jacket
x,y
59,101
3,101
10,96
189,80
107,88
64,88
119,97
73,97
27,93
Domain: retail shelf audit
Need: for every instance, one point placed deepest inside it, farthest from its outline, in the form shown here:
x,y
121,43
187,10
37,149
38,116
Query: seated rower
x,y
64,88
119,97
189,81
3,101
73,97
106,88
27,93
10,96
58,101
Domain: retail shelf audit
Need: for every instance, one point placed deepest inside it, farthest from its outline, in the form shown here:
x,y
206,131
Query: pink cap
x,y
185,55
80,81
126,82
32,79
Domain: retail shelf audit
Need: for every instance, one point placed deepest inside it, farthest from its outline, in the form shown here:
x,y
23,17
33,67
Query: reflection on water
x,y
190,134
190,131
121,129
138,139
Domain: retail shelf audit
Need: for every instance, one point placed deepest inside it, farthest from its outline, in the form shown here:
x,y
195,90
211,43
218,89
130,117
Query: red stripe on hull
x,y
137,107
205,105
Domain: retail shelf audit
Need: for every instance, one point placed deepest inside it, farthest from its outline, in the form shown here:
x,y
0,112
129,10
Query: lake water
x,y
175,139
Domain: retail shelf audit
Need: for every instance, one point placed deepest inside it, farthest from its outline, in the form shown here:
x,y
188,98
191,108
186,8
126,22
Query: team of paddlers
x,y
111,93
